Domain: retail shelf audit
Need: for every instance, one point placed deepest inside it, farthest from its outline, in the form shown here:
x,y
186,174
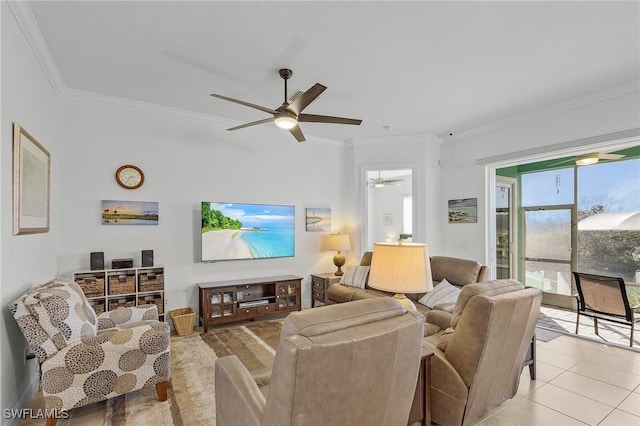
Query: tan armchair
x,y
86,358
346,364
478,360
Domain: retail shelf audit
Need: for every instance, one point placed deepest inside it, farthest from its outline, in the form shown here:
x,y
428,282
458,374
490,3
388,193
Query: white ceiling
x,y
419,67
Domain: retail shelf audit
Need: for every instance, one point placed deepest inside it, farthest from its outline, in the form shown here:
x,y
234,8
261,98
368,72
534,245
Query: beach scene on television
x,y
247,231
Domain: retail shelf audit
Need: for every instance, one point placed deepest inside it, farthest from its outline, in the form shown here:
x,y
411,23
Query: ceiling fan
x,y
379,182
590,158
594,157
288,115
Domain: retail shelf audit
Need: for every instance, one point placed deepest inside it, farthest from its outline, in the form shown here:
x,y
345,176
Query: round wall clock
x,y
129,176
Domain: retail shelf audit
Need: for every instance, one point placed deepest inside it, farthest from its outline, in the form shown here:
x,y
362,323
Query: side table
x,y
319,285
421,406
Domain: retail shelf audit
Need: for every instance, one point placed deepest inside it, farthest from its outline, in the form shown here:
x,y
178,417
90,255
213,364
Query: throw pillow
x,y
356,276
444,292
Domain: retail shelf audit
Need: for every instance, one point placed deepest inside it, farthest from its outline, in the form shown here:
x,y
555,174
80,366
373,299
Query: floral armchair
x,y
87,358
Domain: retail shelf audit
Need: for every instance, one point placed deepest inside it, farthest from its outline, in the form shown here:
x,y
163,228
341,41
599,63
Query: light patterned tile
x,y
631,404
591,388
618,361
573,405
547,372
525,412
607,373
557,359
620,418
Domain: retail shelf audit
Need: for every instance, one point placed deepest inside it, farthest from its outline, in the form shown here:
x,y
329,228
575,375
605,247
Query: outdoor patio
x,y
554,321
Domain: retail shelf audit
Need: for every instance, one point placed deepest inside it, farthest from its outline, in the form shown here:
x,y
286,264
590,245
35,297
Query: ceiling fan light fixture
x,y
286,122
587,159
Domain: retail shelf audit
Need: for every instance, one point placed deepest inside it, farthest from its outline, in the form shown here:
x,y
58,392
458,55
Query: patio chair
x,y
601,297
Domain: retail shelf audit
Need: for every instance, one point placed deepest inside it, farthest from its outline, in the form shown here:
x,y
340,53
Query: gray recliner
x,y
346,364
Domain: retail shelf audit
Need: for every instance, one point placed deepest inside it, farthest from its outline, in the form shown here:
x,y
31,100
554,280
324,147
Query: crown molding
x,y
616,91
28,24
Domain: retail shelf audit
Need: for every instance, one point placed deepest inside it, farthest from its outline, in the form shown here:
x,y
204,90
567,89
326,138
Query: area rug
x,y
191,393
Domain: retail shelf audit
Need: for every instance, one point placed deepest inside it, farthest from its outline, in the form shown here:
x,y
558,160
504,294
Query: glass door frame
x,y
560,300
510,184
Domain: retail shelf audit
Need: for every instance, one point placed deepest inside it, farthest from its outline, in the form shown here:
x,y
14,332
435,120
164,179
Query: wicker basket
x,y
151,283
122,285
91,287
122,303
158,300
183,320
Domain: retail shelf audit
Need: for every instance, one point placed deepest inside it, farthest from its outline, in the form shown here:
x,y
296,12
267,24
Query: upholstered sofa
x,y
85,358
458,272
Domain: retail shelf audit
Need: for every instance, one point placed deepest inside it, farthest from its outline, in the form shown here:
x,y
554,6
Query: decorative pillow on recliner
x,y
444,292
356,276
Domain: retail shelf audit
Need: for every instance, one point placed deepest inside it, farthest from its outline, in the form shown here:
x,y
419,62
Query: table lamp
x,y
338,242
401,268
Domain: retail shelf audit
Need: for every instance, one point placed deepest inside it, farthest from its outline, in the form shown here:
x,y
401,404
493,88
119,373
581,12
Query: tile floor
x,y
581,380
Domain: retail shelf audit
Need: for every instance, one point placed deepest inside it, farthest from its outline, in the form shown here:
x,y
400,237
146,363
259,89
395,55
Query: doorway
x,y
505,227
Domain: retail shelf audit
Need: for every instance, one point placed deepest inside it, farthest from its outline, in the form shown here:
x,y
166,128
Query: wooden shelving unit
x,y
109,289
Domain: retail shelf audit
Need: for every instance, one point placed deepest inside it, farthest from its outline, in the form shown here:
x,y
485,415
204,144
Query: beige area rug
x,y
191,394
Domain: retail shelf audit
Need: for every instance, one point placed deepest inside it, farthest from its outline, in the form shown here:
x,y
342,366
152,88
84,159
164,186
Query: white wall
x,y
28,99
463,179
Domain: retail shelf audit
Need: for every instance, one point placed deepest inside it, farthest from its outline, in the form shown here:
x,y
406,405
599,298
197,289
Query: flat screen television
x,y
234,231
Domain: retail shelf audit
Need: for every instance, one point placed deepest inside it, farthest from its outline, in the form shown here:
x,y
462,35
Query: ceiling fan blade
x,y
306,98
253,123
297,133
250,105
312,118
392,181
607,156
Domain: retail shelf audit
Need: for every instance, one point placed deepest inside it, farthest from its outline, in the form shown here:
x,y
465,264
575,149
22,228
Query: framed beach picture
x,y
31,183
318,219
387,219
464,210
129,212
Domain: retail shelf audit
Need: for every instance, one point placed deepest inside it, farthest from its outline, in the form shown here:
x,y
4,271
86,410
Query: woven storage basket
x,y
122,286
151,284
183,320
92,287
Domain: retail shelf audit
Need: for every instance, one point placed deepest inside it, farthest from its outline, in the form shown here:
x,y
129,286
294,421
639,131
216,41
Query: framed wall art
x,y
387,219
318,219
116,212
31,184
464,210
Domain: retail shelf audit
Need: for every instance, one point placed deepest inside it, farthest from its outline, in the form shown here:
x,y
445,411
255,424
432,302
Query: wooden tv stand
x,y
236,300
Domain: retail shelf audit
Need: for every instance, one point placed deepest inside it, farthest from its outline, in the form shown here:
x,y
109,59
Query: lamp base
x,y
404,301
339,261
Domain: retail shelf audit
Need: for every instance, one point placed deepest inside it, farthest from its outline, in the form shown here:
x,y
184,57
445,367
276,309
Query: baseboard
x,y
22,403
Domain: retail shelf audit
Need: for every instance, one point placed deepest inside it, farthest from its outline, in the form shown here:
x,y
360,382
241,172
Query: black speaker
x,y
97,260
147,257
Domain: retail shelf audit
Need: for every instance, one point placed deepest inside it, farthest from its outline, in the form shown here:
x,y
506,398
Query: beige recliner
x,y
348,364
478,360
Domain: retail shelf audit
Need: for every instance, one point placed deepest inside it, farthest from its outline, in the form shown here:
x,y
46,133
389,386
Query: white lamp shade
x,y
401,268
337,242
